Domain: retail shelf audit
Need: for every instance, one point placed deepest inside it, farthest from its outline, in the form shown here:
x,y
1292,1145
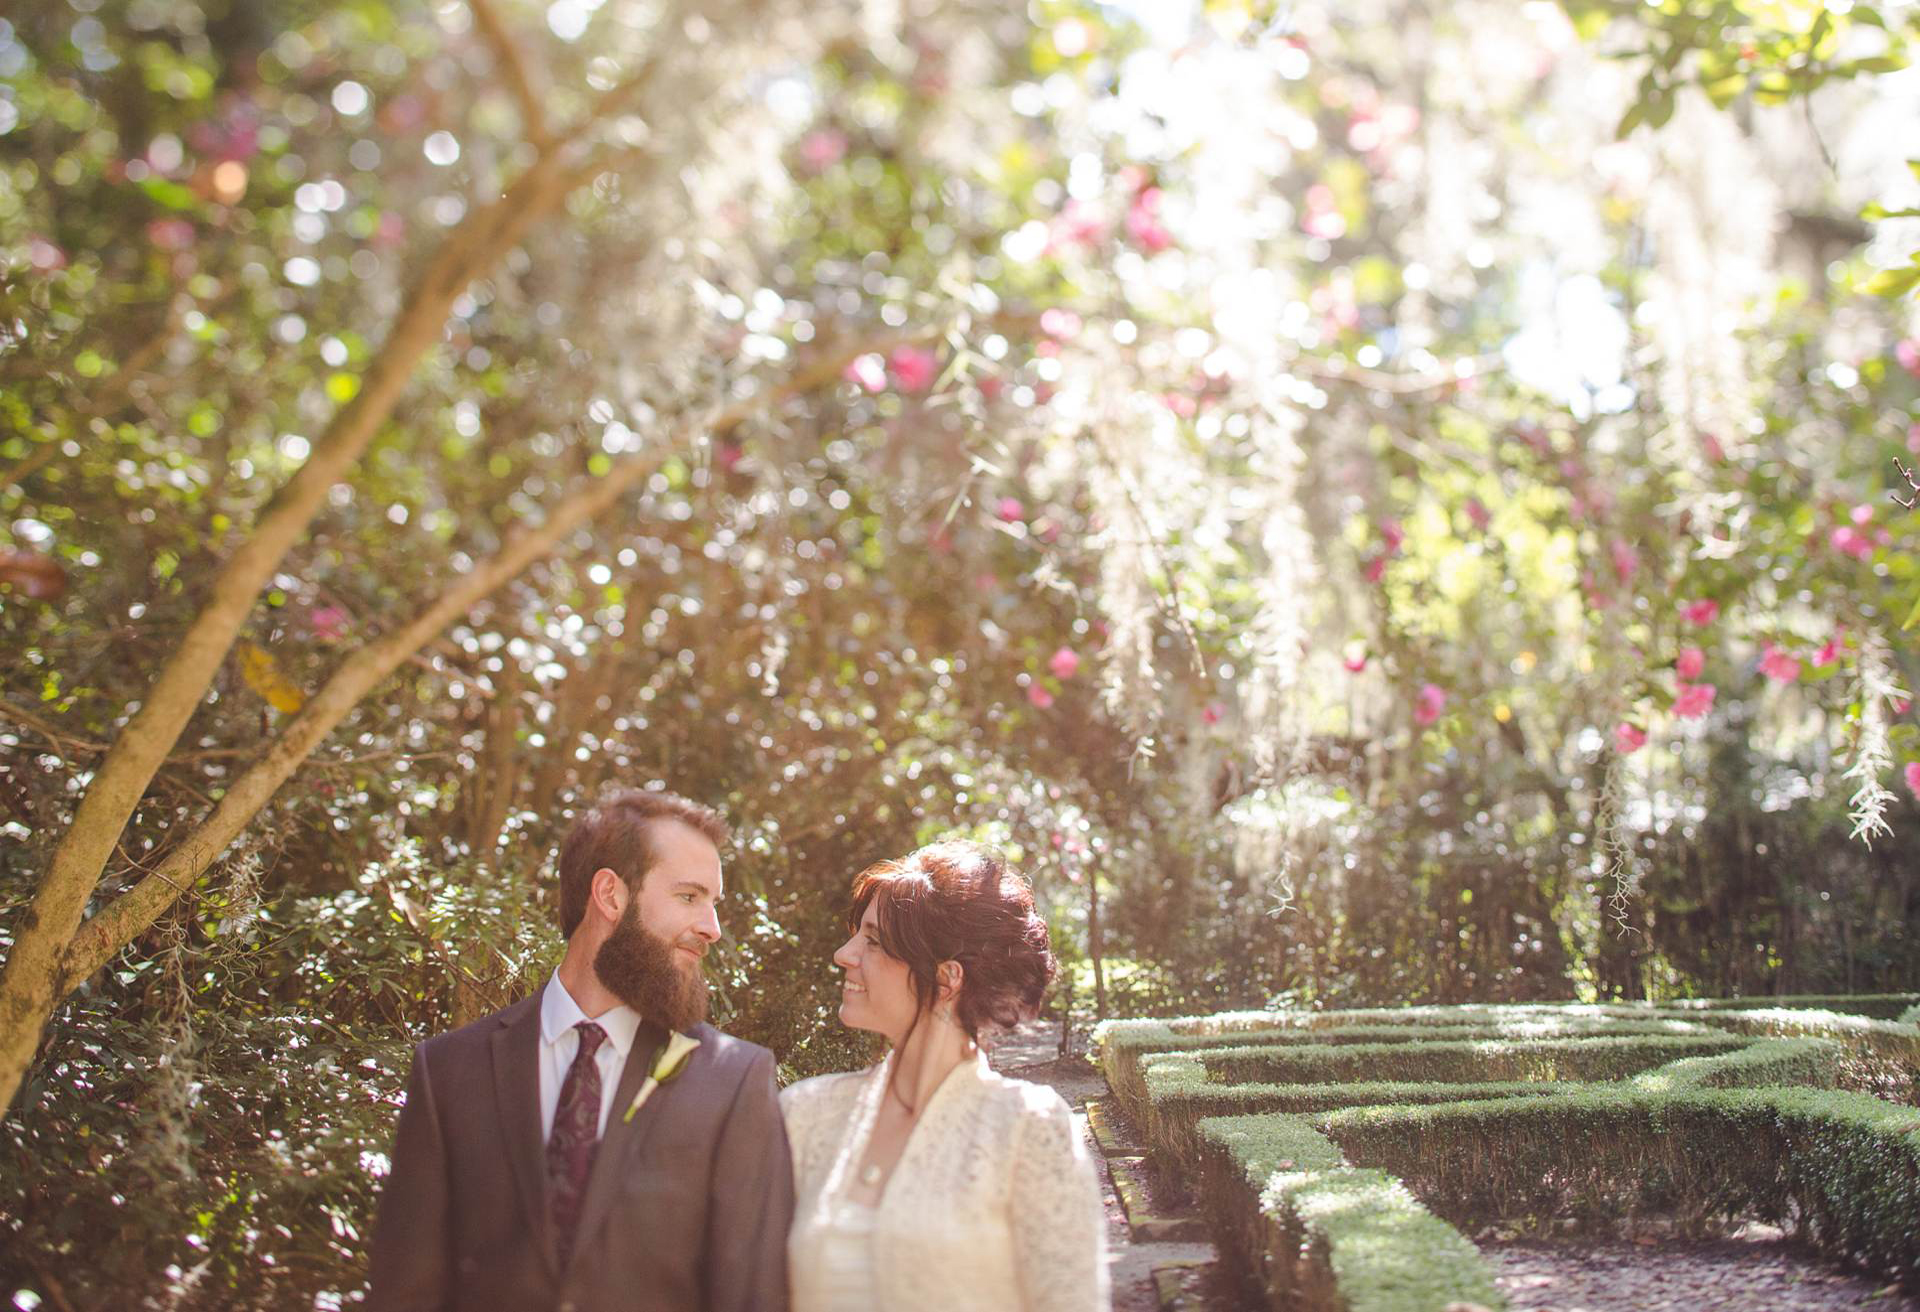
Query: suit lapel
x,y
516,1087
622,1136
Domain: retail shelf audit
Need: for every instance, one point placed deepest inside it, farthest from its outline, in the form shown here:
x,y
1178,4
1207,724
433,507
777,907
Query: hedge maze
x,y
1333,1154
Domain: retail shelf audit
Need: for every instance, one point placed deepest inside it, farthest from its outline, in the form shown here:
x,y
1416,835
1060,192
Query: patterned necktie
x,y
576,1134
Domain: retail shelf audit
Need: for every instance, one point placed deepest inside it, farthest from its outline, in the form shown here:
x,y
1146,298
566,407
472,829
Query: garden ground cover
x,y
1332,1173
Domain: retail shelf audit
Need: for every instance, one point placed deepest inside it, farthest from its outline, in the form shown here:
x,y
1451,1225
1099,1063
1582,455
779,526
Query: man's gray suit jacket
x,y
687,1207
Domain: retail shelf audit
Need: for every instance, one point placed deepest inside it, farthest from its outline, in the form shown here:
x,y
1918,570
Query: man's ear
x,y
608,893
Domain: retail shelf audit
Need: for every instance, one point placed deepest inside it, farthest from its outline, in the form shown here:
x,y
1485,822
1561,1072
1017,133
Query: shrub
x,y
1597,1058
1293,1218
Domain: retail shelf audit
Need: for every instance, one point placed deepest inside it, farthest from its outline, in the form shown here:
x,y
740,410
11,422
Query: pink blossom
x,y
728,455
329,622
1046,530
1064,663
1711,445
1392,534
1376,569
1009,510
1079,224
1628,738
913,367
1063,324
1212,712
1908,354
1428,703
1689,664
1478,514
1625,559
1861,515
1693,700
1913,439
823,149
390,231
44,256
174,234
867,370
1039,696
1830,653
1902,706
1700,613
1355,664
1852,541
1912,775
1779,665
1143,222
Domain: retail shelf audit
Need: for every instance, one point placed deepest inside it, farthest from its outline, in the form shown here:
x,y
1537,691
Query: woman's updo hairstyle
x,y
960,901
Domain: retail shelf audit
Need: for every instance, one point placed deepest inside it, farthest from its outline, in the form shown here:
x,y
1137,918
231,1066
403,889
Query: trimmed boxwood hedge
x,y
1317,1235
1841,1168
1597,1058
1526,1109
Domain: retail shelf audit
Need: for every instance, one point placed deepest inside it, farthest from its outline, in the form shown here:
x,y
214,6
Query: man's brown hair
x,y
617,834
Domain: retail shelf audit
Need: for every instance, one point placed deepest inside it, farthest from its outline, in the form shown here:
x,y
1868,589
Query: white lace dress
x,y
994,1204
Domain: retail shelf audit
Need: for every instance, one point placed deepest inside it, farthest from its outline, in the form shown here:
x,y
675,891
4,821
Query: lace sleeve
x,y
1059,1223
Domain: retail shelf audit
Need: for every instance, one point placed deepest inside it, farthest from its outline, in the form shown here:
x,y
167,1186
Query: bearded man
x,y
577,1151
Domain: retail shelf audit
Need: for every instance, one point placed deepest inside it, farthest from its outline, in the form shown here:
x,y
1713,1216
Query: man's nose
x,y
709,927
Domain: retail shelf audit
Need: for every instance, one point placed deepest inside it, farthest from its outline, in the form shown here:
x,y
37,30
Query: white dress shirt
x,y
559,1013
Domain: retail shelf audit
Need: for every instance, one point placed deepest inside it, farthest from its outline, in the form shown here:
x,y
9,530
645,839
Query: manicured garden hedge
x,y
1842,1168
1596,1058
1716,1107
1318,1235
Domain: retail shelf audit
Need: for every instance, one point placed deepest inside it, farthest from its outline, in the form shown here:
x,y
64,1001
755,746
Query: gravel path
x,y
1755,1268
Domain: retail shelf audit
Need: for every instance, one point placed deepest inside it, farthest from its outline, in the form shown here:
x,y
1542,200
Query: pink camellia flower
x,y
1908,354
1009,510
1779,665
1064,663
913,367
1392,534
329,622
1628,738
1913,439
1212,712
1143,222
1039,696
728,455
823,149
1355,664
174,234
1852,541
1478,514
1711,445
1376,569
44,256
1912,776
867,370
1693,700
1059,323
1902,706
1428,703
1625,559
1689,664
1700,613
1861,515
1078,224
1830,653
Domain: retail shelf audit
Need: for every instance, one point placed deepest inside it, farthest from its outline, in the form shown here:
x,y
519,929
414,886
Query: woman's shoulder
x,y
819,1093
1027,1099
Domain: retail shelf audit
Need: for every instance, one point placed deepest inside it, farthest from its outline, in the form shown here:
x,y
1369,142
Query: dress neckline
x,y
947,1081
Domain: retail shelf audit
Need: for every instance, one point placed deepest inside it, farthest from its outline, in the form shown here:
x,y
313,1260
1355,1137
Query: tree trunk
x,y
35,983
43,931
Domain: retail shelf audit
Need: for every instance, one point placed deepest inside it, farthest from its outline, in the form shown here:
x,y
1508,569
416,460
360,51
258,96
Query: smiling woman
x,y
929,1179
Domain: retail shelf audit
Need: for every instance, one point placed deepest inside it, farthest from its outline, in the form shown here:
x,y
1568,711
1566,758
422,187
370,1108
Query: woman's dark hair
x,y
617,834
960,901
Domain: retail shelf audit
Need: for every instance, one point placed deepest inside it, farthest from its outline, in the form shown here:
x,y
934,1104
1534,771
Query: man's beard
x,y
637,966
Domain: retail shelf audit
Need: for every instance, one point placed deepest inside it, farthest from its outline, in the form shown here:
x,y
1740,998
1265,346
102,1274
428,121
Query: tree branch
x,y
508,58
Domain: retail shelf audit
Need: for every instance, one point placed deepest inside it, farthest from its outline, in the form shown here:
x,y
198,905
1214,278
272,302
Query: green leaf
x,y
1913,617
1893,282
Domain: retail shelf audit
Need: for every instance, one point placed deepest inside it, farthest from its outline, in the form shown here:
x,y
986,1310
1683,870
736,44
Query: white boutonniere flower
x,y
671,1061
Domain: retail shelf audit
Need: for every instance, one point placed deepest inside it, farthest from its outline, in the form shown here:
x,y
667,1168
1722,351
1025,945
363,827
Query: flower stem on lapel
x,y
671,1061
